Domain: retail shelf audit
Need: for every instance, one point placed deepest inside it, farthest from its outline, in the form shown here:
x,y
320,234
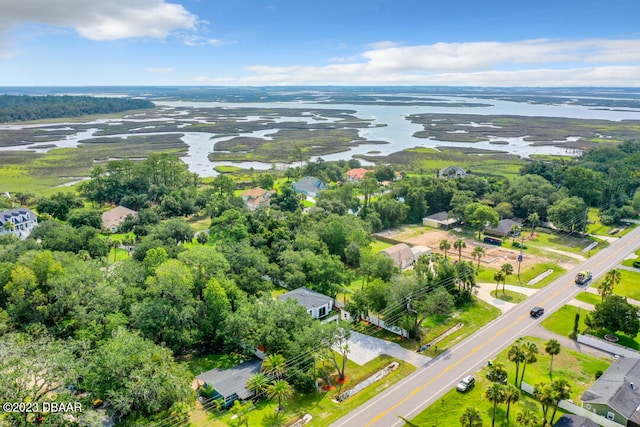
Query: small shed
x,y
504,229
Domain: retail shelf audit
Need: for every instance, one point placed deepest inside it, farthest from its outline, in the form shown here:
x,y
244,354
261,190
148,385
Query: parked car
x,y
466,383
536,311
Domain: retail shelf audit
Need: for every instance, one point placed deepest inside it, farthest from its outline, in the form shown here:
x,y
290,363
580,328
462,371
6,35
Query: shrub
x,y
598,374
636,263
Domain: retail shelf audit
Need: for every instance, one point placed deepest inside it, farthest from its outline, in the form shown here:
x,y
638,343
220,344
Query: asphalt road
x,y
429,382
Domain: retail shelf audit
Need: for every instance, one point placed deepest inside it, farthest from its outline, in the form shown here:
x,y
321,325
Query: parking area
x,y
364,348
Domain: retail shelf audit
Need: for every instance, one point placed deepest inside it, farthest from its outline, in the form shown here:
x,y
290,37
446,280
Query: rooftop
x,y
307,298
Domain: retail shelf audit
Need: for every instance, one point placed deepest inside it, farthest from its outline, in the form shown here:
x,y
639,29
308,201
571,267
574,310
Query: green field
x,y
509,296
562,320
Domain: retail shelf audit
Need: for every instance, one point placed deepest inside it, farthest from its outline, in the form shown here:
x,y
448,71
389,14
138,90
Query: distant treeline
x,y
20,108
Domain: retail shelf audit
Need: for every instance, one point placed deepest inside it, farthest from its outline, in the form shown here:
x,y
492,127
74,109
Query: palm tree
x,y
516,355
499,277
527,418
561,390
495,394
543,393
611,279
511,395
478,252
552,348
530,350
280,390
258,383
471,417
274,366
507,269
241,411
533,219
445,245
459,245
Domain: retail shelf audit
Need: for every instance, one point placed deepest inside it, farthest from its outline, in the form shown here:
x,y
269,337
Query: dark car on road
x,y
536,311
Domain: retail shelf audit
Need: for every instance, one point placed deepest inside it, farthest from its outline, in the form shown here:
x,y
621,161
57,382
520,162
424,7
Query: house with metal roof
x,y
318,305
231,384
439,220
616,394
18,221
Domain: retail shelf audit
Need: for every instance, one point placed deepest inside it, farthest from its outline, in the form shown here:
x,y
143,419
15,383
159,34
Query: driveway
x,y
364,348
484,293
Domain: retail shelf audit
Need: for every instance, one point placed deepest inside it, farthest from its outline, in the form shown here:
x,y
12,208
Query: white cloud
x,y
197,40
160,70
596,62
382,45
101,20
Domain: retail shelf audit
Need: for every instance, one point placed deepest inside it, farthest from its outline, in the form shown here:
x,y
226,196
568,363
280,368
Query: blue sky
x,y
326,42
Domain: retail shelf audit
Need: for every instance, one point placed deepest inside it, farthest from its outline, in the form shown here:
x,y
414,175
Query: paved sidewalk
x,y
364,348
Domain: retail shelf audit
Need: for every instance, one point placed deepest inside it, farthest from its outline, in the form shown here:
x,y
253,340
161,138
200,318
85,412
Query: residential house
x,y
452,172
616,394
18,221
505,228
310,186
256,197
401,254
439,220
570,420
112,218
356,174
319,306
231,384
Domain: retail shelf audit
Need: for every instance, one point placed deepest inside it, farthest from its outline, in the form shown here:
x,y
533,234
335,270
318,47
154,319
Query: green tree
x,y
280,390
534,220
517,356
560,390
137,377
552,348
477,253
499,277
495,393
459,244
471,417
615,314
480,216
543,393
445,245
530,350
274,366
568,214
511,395
527,418
241,412
507,270
258,384
611,279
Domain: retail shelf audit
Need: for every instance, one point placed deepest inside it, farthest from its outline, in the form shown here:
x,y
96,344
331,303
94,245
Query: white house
x,y
318,305
18,221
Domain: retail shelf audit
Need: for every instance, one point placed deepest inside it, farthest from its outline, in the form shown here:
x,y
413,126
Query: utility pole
x,y
520,258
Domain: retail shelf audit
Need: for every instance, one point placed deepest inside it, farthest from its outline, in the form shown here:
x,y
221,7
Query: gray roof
x,y
570,420
307,298
451,171
17,216
618,387
442,217
310,185
504,227
233,380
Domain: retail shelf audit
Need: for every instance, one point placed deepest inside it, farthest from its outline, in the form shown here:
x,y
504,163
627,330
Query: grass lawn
x,y
562,320
579,369
595,226
473,315
509,296
589,298
377,246
485,275
320,405
543,241
628,286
